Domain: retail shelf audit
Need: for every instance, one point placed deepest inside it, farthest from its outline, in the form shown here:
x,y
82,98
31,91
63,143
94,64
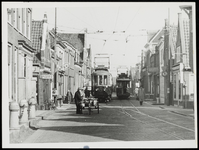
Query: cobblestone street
x,y
116,122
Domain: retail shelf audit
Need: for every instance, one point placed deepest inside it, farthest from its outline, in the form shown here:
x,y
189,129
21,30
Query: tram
x,y
101,78
123,83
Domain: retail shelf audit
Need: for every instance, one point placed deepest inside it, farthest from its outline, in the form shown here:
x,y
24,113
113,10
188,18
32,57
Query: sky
x,y
123,24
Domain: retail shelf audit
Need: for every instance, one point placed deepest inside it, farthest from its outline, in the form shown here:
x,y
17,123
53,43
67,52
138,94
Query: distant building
x,y
148,70
79,42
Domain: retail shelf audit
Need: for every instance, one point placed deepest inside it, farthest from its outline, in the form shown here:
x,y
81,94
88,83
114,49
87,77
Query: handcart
x,y
90,103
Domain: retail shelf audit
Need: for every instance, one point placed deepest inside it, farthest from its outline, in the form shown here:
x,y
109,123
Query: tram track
x,y
124,111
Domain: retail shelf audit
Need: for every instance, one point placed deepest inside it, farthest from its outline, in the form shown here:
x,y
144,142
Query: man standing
x,y
78,99
141,94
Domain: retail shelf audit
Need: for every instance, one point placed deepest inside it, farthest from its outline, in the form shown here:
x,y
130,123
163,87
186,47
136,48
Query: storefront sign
x,y
153,69
46,76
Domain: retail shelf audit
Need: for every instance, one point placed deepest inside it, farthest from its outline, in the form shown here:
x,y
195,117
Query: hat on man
x,y
80,88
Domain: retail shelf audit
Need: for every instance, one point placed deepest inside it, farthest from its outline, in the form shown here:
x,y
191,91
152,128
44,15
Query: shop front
x,y
183,89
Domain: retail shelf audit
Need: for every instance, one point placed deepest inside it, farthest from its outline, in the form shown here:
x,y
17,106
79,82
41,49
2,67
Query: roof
x,y
102,72
75,39
151,34
156,36
37,27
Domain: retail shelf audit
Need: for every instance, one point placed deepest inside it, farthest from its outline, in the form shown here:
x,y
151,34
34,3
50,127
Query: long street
x,y
119,120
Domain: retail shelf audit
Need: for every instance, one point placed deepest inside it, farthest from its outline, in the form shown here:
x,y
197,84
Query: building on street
x,y
42,62
183,76
21,83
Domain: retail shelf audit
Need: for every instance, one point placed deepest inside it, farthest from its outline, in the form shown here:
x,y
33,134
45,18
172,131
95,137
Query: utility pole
x,y
169,62
56,63
166,63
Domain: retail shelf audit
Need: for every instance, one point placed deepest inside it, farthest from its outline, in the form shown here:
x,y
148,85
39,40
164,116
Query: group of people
x,y
140,93
104,93
80,94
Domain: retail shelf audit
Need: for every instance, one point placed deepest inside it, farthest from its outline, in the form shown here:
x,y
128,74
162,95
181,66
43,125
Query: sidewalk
x,y
174,109
17,136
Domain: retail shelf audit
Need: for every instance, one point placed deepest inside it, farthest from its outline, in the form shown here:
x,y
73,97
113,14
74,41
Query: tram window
x,y
100,80
95,79
105,80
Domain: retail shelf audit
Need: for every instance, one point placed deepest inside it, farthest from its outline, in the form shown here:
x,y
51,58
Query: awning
x,y
123,80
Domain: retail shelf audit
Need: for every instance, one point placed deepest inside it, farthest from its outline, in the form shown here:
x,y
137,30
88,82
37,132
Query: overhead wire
x,y
117,17
80,19
114,28
133,18
95,18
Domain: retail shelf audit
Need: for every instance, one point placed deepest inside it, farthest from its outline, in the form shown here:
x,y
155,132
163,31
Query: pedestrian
x,y
87,93
78,101
69,96
136,93
141,94
108,91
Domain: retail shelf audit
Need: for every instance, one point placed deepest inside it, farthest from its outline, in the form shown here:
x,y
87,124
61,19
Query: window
x,y
178,54
105,80
95,79
9,13
22,65
100,80
12,73
25,65
24,21
20,19
9,72
15,74
28,23
15,17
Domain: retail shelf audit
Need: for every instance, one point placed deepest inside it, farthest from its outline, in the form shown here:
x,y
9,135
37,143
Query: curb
x,y
181,114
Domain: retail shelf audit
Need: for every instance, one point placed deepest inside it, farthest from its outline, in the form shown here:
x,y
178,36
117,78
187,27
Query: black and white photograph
x,y
99,75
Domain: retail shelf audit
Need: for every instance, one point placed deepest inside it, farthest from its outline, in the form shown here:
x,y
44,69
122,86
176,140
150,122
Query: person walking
x,y
136,93
141,94
108,91
69,96
78,100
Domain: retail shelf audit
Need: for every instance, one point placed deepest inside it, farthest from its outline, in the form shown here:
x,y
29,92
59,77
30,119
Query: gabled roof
x,y
153,37
151,34
157,35
77,40
37,28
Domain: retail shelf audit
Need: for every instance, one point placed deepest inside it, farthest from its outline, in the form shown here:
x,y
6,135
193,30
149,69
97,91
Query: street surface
x,y
118,120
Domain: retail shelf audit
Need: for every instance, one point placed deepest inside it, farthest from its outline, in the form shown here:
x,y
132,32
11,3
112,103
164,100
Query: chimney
x,y
45,18
179,16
